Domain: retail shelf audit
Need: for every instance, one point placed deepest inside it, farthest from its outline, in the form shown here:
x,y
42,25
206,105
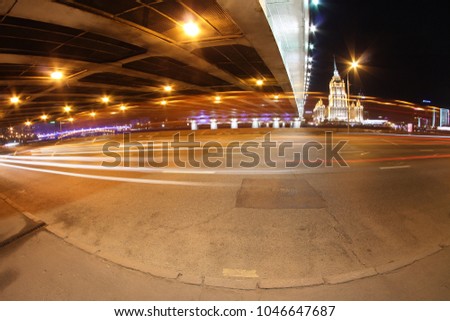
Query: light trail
x,y
122,179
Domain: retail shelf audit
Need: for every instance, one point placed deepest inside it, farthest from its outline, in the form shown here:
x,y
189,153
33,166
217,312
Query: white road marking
x,y
240,273
174,171
388,141
395,167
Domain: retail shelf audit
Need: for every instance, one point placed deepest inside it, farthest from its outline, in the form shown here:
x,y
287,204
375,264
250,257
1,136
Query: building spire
x,y
336,72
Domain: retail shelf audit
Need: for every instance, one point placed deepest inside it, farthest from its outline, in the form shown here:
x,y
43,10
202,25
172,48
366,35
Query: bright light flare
x,y
191,29
123,107
44,117
260,82
71,119
67,109
354,65
168,88
164,102
28,123
93,114
14,100
105,99
57,75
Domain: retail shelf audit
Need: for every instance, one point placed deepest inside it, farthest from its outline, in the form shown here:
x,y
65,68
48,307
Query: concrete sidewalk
x,y
42,266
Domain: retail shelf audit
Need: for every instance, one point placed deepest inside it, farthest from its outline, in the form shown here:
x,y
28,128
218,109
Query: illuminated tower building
x,y
338,109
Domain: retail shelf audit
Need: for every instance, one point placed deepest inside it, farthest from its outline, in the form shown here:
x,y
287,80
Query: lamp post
x,y
354,65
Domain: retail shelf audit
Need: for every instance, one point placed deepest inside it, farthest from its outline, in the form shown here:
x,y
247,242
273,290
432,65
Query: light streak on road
x,y
121,179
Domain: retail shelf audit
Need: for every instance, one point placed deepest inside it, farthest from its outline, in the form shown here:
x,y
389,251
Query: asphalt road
x,y
238,227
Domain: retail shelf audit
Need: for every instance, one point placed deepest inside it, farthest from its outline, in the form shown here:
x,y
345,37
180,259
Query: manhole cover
x,y
278,193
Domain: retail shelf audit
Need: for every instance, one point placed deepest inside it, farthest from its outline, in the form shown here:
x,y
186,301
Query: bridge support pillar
x,y
213,124
276,123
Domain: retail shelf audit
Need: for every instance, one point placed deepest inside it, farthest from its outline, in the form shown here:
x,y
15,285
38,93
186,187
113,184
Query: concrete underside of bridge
x,y
129,50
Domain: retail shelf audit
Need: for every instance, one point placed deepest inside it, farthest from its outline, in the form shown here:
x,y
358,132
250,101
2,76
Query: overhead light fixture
x,y
260,82
191,29
164,102
93,114
27,123
168,88
123,107
105,99
44,117
313,28
67,108
14,100
71,119
217,99
56,75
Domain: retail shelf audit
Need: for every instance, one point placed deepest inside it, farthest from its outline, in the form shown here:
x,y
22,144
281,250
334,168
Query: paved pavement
x,y
378,229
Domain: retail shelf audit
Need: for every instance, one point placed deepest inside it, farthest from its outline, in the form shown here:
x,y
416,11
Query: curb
x,y
39,223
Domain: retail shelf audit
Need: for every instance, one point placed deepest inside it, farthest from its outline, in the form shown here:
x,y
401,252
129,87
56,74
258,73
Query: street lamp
x,y
353,65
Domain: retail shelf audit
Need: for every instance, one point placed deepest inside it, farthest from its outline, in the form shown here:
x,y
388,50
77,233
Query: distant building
x,y
338,108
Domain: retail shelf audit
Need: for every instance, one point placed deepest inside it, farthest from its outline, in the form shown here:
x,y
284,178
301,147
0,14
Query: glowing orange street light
x,y
14,100
191,29
56,75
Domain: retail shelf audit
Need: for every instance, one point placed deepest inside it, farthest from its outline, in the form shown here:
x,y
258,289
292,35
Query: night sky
x,y
404,47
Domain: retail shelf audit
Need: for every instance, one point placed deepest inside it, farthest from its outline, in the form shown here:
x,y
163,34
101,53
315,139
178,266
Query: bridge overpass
x,y
142,55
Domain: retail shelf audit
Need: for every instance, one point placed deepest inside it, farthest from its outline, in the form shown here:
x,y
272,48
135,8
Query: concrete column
x,y
255,123
296,123
276,123
234,123
213,124
194,125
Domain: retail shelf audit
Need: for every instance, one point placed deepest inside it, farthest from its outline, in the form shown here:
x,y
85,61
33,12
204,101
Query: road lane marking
x,y
238,273
174,171
388,141
395,167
